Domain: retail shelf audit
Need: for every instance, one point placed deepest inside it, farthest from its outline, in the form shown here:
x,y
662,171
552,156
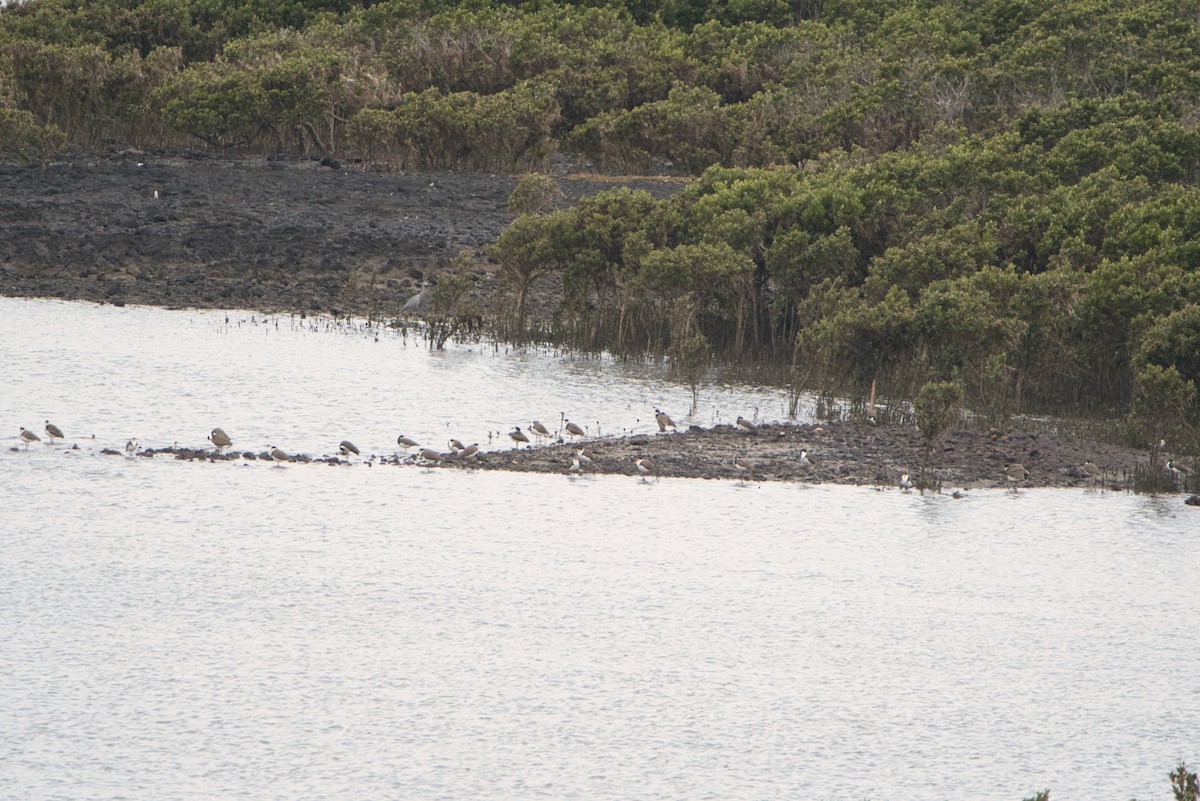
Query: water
x,y
196,631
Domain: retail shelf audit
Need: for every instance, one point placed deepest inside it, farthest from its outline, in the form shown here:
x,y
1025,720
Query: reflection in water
x,y
198,631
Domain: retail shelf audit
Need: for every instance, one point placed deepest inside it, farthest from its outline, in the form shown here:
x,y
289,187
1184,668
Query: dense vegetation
x,y
890,193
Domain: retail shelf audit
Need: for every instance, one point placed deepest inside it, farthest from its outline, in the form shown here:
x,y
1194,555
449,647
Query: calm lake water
x,y
199,631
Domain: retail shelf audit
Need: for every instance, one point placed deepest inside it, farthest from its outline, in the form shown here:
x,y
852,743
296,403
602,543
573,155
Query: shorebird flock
x,y
579,464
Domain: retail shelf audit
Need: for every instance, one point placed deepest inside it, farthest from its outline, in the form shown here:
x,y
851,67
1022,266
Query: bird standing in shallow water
x,y
576,468
347,447
277,454
53,431
131,446
741,466
28,436
406,443
573,429
905,482
219,438
539,429
518,436
645,467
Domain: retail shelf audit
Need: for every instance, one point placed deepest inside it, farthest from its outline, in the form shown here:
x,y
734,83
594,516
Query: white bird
x,y
220,439
28,436
518,436
905,482
747,425
664,420
347,447
576,468
131,446
53,431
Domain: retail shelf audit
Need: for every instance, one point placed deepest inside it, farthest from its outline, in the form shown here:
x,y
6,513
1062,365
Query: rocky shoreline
x,y
199,231
846,452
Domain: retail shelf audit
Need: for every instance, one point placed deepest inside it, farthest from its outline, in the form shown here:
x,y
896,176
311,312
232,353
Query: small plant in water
x,y
1184,784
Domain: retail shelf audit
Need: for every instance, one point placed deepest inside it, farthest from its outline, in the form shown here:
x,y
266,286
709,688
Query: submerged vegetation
x,y
999,196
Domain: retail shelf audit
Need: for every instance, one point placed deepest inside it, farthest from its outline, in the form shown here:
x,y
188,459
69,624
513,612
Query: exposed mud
x,y
839,453
253,233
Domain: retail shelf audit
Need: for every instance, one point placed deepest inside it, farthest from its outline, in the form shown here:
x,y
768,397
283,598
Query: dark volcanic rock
x,y
248,233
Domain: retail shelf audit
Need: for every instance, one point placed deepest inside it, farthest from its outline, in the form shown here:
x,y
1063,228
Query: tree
x,y
937,407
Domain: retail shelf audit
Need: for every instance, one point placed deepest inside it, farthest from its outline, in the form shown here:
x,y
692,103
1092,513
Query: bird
x,y
131,446
518,436
277,454
1092,470
539,429
573,429
804,460
645,466
1015,472
347,447
406,443
53,431
576,468
220,439
456,445
741,466
747,425
416,300
584,456
28,436
430,455
1175,469
470,451
905,481
664,420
